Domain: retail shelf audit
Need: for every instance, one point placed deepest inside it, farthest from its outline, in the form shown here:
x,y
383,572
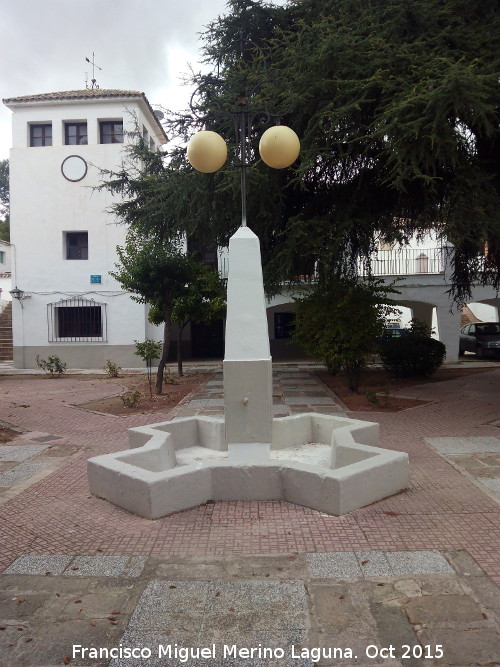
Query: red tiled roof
x,y
85,94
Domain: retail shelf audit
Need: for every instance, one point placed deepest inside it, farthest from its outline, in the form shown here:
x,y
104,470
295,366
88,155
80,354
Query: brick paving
x,y
441,509
414,569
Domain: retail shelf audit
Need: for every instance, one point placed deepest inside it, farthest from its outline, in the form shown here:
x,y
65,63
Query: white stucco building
x,y
63,239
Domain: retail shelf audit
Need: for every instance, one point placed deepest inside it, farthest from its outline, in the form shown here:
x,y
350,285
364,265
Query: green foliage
x,y
131,400
339,325
148,350
112,369
4,201
413,355
202,300
53,365
396,105
5,230
371,397
157,273
170,378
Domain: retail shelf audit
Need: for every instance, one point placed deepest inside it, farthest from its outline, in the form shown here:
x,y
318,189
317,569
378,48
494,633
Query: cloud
x,y
139,44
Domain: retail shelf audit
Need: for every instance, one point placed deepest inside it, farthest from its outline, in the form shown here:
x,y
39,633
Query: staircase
x,y
6,333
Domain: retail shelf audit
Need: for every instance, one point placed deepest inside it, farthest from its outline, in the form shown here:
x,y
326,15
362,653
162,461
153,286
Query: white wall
x,y
45,205
484,312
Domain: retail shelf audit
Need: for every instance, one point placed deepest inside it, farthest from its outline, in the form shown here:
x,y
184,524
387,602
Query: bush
x,y
339,324
112,369
53,365
413,355
131,400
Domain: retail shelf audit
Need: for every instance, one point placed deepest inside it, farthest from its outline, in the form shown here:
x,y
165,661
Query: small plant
x,y
53,365
112,369
372,398
169,378
386,396
147,351
131,400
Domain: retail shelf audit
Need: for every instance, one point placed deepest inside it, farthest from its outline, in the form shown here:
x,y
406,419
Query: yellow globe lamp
x,y
279,147
206,151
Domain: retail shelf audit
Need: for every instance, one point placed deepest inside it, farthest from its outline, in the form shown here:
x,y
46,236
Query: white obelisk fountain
x,y
248,381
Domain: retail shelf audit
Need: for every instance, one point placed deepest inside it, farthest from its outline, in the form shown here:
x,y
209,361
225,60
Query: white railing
x,y
407,262
402,262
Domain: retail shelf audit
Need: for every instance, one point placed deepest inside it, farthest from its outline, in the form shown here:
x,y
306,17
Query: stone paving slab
x,y
278,607
20,452
21,473
464,445
376,563
293,392
493,484
78,566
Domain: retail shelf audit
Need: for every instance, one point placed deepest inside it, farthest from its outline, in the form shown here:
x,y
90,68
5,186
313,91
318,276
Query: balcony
x,y
407,262
401,262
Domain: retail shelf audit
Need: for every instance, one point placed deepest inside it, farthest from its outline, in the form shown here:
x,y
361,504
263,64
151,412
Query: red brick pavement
x,y
441,509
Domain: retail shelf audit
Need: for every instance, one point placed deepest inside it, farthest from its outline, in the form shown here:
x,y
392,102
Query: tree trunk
x,y
167,330
179,349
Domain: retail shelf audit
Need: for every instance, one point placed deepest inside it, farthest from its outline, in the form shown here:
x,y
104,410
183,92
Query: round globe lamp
x,y
206,151
279,147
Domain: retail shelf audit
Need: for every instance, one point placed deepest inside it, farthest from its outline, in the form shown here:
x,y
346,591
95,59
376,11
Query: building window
x,y
145,135
152,146
284,324
77,320
111,131
76,245
2,257
75,134
41,135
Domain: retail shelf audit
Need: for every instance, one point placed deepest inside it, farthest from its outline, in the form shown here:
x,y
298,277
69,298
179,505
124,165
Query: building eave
x,y
88,96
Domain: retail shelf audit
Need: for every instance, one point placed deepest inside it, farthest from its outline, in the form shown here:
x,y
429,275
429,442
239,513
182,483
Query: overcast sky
x,y
141,45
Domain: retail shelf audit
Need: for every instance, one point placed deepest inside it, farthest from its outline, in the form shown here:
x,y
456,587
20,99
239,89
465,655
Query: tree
x,y
396,105
4,201
157,274
340,325
202,301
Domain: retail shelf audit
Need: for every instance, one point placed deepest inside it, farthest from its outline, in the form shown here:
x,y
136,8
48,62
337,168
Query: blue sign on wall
x,y
95,279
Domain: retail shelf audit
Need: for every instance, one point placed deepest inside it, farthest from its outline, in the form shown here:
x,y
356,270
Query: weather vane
x,y
94,81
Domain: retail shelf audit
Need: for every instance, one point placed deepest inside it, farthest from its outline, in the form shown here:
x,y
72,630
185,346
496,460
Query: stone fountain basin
x,y
320,461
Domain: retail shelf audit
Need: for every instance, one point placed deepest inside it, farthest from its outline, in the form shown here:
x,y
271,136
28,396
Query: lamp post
x,y
247,358
279,147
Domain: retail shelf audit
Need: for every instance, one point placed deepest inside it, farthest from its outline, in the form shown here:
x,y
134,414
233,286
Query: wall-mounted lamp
x,y
17,293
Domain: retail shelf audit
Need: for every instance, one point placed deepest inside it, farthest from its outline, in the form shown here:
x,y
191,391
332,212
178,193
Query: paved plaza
x,y
410,580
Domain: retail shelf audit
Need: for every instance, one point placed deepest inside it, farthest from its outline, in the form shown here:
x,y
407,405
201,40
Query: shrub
x,y
112,369
148,350
339,324
53,365
413,355
169,378
131,400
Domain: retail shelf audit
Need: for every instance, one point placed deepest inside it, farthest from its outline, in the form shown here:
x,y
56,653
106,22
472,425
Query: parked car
x,y
483,338
390,334
395,333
